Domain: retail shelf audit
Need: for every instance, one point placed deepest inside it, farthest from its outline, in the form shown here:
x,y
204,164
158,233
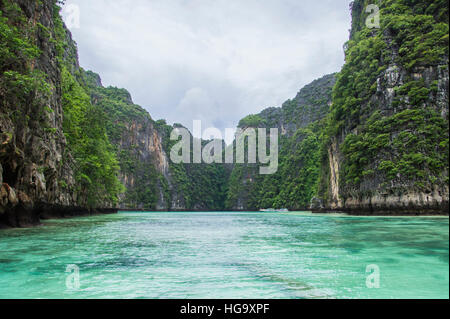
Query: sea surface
x,y
227,255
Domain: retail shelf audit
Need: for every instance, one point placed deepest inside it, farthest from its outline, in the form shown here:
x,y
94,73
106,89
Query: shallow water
x,y
227,255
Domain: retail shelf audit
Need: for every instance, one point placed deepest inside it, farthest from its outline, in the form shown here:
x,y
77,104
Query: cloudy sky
x,y
210,60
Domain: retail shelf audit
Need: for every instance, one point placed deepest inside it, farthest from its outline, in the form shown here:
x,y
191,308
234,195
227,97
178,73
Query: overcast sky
x,y
210,60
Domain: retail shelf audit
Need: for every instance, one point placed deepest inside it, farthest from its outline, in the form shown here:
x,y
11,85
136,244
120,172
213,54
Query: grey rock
x,y
316,204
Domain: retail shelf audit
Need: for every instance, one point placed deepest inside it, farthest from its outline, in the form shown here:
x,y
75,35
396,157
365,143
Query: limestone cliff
x,y
144,165
371,139
299,122
388,146
36,169
142,145
63,133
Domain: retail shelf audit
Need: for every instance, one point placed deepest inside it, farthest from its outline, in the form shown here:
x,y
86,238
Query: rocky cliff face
x,y
146,138
311,104
36,174
299,122
377,144
388,149
142,145
46,158
144,164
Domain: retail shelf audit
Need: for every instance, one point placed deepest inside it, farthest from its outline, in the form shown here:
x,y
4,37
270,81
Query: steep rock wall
x,y
389,150
299,122
36,175
142,145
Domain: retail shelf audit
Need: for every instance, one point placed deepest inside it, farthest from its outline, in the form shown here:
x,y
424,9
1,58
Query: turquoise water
x,y
227,255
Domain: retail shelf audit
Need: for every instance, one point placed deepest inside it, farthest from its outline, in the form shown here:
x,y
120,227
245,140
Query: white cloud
x,y
198,105
214,60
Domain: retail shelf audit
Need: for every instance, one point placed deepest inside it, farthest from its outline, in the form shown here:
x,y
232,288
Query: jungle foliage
x,y
406,142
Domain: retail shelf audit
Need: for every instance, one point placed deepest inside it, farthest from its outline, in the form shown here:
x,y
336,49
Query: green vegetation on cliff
x,y
194,186
388,120
129,128
20,82
291,187
389,102
301,123
382,122
96,166
142,146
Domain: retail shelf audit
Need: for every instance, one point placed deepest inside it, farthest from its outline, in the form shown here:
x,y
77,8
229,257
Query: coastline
x,y
394,213
406,210
33,217
353,212
26,218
